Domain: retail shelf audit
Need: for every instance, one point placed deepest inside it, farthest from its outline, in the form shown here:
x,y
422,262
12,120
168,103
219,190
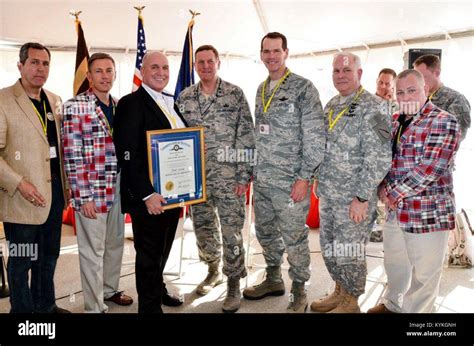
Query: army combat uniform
x,y
455,103
229,137
390,107
357,158
290,144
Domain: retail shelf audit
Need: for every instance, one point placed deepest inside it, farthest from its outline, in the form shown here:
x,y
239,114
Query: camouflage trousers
x,y
221,215
343,243
280,224
377,232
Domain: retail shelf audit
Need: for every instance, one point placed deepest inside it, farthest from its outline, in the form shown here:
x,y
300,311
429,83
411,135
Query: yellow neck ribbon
x,y
433,94
333,123
267,105
44,123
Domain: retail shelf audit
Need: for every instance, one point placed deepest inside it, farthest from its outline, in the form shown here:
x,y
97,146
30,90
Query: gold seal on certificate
x,y
176,164
169,186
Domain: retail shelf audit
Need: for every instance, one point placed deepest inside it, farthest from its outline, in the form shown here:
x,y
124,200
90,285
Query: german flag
x,y
81,83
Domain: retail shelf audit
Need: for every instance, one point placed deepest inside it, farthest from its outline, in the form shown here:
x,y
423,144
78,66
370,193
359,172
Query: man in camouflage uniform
x,y
445,98
223,110
290,144
356,159
385,86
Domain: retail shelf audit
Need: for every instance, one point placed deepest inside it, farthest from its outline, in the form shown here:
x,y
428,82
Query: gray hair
x,y
33,45
355,58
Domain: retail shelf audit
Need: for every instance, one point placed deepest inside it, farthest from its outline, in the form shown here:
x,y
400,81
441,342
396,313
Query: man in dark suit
x,y
148,108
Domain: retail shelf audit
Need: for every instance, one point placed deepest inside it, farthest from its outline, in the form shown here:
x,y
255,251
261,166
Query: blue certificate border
x,y
196,134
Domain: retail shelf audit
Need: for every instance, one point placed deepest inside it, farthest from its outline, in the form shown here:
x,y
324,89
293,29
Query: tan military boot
x,y
328,303
232,300
348,304
380,309
298,299
213,279
272,286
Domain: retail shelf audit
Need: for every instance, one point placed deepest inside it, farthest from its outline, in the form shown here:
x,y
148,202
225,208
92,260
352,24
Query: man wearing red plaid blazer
x,y
91,167
418,192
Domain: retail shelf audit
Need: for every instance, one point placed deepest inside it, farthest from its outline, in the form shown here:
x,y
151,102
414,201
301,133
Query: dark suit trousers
x,y
153,237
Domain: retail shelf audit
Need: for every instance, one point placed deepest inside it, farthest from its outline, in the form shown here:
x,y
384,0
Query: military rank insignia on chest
x,y
352,110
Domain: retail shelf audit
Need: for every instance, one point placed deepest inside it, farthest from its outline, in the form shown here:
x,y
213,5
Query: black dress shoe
x,y
58,310
171,300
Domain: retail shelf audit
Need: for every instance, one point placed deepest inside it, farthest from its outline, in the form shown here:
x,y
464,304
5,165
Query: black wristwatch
x,y
361,200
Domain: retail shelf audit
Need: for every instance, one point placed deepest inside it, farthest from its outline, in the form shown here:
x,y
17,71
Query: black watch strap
x,y
361,200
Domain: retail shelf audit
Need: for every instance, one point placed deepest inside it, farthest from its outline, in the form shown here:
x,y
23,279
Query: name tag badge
x,y
264,129
52,153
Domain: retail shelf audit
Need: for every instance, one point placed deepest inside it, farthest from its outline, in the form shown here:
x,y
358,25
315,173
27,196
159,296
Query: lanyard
x,y
341,113
201,113
406,123
168,115
99,104
433,94
107,120
399,133
44,123
267,105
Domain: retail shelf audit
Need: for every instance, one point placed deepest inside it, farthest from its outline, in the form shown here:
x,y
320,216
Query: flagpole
x,y
76,15
81,83
141,50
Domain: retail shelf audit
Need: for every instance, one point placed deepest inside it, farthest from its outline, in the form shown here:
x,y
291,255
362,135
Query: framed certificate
x,y
176,162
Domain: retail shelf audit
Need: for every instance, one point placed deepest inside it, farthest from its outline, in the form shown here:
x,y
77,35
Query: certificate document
x,y
177,168
176,164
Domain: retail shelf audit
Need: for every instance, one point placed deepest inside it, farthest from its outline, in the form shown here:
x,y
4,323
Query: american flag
x,y
141,50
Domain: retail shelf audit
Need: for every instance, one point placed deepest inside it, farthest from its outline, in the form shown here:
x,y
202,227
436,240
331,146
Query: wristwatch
x,y
361,200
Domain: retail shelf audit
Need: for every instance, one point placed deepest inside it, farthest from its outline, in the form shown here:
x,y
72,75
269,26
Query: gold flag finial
x,y
194,15
75,14
139,9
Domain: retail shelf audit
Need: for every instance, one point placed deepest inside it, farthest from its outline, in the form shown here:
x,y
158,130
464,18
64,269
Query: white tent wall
x,y
457,55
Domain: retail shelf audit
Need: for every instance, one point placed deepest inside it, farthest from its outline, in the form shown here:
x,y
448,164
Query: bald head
x,y
155,70
151,54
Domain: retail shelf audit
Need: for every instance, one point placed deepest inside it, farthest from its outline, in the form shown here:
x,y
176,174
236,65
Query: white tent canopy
x,y
234,27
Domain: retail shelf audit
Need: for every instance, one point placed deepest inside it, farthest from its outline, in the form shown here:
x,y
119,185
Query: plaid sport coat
x,y
89,152
420,181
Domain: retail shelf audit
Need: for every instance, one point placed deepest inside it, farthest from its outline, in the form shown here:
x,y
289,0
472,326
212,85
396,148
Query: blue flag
x,y
186,70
